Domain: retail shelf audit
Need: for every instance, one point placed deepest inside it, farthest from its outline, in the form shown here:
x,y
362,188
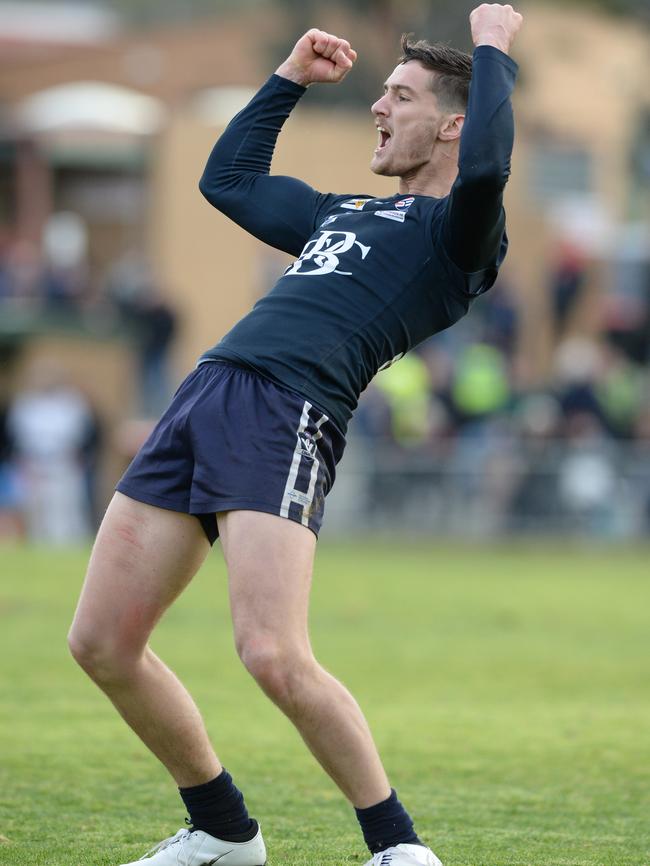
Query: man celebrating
x,y
248,448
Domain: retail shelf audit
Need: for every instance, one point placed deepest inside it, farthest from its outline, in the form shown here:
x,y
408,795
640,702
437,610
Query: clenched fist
x,y
493,24
318,57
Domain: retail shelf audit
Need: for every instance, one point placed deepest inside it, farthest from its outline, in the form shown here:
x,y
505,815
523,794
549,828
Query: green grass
x,y
508,690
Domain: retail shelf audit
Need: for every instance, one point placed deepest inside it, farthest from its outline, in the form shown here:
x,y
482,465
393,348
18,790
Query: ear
x,y
451,127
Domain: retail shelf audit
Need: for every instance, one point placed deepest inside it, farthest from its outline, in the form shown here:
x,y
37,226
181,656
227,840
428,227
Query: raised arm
x,y
277,210
475,219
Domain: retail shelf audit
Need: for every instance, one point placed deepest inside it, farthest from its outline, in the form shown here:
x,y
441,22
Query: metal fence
x,y
483,488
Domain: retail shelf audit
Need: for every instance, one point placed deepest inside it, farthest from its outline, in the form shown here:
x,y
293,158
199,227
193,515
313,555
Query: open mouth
x,y
384,139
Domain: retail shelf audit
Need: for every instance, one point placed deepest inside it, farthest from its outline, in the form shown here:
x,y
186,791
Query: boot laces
x,y
179,838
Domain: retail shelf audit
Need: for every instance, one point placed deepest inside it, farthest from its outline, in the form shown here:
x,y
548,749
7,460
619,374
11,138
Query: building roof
x,y
89,106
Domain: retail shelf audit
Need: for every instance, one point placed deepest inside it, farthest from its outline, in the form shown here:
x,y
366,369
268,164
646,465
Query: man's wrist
x,y
293,73
496,40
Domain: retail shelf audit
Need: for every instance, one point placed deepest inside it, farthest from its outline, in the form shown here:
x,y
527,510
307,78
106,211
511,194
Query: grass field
x,y
508,689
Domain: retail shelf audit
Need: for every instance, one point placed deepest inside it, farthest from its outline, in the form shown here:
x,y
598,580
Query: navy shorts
x,y
232,439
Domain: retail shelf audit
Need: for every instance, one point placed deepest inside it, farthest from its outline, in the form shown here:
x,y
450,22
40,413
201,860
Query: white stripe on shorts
x,y
311,490
290,492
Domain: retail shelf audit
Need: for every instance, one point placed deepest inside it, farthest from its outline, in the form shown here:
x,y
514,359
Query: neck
x,y
434,178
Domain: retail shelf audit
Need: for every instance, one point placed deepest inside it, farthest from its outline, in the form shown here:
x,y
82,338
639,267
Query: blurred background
x,y
530,417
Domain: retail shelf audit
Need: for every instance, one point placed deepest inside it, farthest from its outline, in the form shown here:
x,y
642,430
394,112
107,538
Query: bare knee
x,y
108,638
102,657
278,668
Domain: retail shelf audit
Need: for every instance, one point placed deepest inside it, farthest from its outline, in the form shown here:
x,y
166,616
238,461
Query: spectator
x,y
620,390
577,367
500,318
480,387
49,425
155,323
568,279
152,321
406,387
588,484
11,524
65,277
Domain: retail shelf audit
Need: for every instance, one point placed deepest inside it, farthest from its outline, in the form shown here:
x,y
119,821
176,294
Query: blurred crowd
x,y
53,282
50,442
52,438
532,413
462,441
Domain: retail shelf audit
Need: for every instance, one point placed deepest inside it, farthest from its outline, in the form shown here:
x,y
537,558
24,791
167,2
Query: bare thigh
x,y
142,560
270,561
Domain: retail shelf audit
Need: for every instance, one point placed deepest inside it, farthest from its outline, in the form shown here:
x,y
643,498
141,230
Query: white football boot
x,y
196,848
405,855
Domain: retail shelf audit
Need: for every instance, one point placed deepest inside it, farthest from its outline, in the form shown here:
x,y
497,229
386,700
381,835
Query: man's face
x,y
408,119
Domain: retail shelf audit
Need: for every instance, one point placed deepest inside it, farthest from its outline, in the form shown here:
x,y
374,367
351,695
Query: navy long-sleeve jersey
x,y
374,276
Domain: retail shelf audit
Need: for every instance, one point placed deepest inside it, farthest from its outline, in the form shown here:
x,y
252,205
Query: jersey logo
x,y
321,255
397,215
405,202
355,203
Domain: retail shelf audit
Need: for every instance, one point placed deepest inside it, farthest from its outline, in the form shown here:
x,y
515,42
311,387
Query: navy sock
x,y
218,808
387,824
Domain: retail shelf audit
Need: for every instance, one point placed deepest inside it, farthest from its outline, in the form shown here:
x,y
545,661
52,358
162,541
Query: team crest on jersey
x,y
397,215
405,202
355,203
321,255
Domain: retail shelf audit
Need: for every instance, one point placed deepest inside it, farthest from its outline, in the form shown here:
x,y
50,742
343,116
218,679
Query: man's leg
x,y
142,560
270,561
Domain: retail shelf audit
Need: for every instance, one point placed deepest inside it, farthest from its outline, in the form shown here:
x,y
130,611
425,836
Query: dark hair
x,y
452,68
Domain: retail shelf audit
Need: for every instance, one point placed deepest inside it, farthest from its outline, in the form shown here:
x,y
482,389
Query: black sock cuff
x,y
217,807
371,812
386,824
223,780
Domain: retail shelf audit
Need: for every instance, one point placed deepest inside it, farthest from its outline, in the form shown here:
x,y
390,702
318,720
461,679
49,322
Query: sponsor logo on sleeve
x,y
355,203
405,202
398,215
